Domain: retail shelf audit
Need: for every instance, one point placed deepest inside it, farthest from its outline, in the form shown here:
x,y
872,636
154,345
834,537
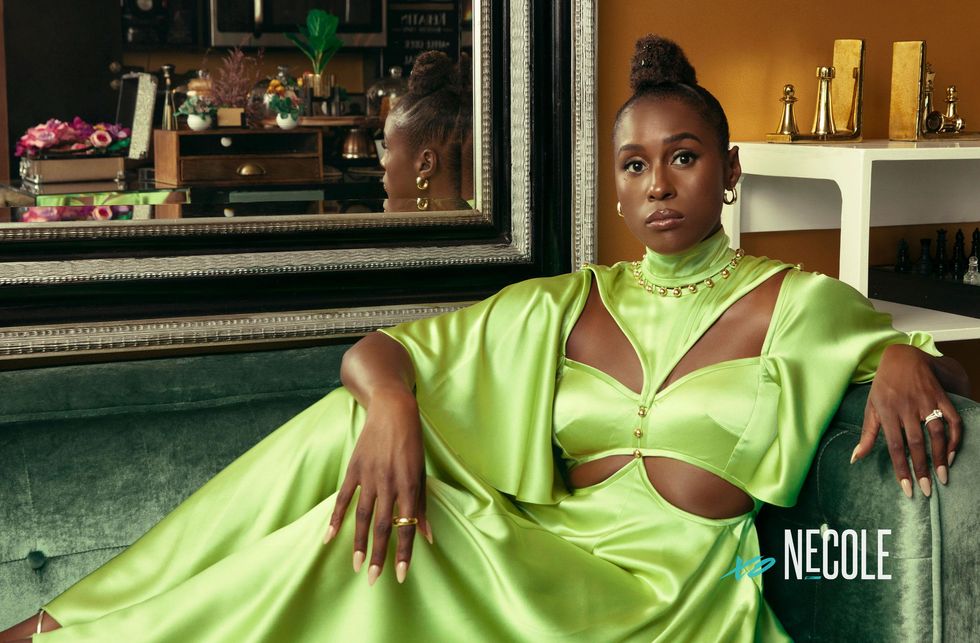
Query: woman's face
x,y
670,174
399,163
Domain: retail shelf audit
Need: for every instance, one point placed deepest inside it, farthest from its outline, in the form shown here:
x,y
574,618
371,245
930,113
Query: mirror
x,y
331,166
158,274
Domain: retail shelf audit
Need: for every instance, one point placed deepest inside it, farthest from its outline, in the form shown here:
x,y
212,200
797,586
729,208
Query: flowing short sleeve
x,y
825,337
485,381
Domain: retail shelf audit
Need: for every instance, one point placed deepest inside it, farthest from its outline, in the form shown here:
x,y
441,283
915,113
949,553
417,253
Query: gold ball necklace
x,y
677,291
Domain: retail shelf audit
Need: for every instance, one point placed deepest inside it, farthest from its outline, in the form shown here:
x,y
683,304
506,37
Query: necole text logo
x,y
813,554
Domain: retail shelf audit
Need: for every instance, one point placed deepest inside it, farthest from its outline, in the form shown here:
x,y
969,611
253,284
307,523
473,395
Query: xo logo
x,y
751,567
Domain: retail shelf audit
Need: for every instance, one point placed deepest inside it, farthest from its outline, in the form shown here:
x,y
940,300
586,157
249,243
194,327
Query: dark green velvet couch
x,y
91,456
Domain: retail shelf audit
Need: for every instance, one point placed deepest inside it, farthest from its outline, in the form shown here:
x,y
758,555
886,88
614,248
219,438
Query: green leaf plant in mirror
x,y
318,41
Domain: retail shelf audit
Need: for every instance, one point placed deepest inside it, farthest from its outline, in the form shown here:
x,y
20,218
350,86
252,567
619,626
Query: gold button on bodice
x,y
642,411
637,454
638,433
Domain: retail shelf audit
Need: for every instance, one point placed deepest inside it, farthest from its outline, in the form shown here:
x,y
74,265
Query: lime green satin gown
x,y
517,556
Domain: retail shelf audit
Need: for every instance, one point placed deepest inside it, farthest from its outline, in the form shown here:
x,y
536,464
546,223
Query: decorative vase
x,y
320,85
198,122
286,122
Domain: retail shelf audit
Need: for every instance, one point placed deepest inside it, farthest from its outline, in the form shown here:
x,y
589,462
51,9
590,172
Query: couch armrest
x,y
933,549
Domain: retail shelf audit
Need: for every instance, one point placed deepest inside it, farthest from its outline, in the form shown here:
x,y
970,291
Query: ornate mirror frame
x,y
74,291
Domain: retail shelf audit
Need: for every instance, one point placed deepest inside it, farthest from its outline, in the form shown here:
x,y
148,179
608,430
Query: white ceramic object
x,y
287,122
197,122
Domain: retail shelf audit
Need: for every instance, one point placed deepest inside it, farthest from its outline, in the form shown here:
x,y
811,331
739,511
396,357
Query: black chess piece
x,y
903,263
975,245
958,267
940,268
924,265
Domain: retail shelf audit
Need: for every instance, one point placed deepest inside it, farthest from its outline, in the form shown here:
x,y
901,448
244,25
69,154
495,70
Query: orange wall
x,y
744,52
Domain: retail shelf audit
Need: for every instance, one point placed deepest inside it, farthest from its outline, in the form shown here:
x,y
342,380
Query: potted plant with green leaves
x,y
284,103
200,112
319,42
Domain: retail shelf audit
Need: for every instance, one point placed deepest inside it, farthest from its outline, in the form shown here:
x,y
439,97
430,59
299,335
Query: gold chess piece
x,y
823,118
837,103
952,122
787,124
912,112
927,89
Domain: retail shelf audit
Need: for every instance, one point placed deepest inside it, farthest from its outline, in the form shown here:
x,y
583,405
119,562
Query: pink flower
x,y
101,212
43,138
83,129
77,136
100,138
32,215
73,213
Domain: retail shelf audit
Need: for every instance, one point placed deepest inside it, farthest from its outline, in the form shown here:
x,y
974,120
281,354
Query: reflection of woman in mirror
x,y
424,135
585,454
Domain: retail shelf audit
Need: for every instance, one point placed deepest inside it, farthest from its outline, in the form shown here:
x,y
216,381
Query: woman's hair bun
x,y
658,60
432,71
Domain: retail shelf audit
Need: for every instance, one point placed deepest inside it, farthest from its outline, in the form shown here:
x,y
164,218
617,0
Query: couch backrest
x,y
91,456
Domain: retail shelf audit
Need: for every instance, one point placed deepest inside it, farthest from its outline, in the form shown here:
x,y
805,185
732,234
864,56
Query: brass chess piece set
x,y
913,115
838,113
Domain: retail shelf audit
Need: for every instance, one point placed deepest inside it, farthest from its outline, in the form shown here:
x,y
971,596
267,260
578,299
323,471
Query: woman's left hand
x,y
905,391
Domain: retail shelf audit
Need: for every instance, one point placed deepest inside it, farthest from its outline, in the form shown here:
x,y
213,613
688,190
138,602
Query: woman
x,y
584,455
425,136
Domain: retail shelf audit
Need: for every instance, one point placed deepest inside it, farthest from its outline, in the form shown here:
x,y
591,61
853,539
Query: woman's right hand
x,y
388,466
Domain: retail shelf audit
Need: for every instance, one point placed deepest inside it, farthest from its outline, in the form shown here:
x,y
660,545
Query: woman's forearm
x,y
951,375
378,365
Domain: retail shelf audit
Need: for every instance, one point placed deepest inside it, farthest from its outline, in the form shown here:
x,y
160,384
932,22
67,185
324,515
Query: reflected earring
x,y
422,203
619,209
729,200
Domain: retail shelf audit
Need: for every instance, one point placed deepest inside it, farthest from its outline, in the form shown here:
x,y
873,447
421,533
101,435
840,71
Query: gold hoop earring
x,y
619,209
422,203
728,201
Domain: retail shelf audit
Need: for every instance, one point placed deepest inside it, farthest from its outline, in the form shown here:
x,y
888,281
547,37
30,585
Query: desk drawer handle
x,y
250,169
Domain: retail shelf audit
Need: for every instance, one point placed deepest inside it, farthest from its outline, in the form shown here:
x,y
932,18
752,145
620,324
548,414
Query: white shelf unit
x,y
854,187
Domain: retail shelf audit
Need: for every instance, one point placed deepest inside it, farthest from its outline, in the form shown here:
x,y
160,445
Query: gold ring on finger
x,y
404,522
935,415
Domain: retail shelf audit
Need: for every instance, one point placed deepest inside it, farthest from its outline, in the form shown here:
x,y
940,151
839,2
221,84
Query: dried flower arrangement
x,y
232,83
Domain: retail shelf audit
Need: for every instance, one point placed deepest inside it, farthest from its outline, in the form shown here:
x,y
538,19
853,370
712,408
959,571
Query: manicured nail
x,y
358,560
854,453
926,485
907,487
949,460
373,572
942,474
427,532
331,532
401,570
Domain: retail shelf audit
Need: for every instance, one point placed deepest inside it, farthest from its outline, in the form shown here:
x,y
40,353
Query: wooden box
x,y
88,168
237,157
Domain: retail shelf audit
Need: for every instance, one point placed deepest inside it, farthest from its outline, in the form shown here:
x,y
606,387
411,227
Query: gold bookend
x,y
913,114
837,117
